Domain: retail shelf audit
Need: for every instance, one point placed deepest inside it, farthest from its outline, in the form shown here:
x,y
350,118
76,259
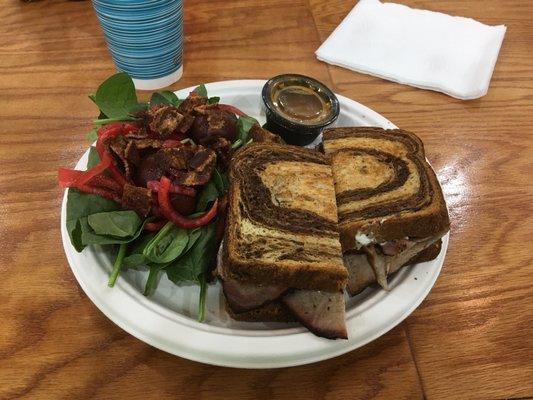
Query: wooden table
x,y
470,339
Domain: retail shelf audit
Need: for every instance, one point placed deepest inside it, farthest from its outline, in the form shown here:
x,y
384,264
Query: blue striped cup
x,y
145,39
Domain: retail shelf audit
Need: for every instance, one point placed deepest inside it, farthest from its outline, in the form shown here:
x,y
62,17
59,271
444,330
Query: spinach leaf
x,y
220,180
213,100
79,206
243,127
90,237
151,282
93,157
116,96
167,244
135,256
208,194
92,135
164,97
120,224
197,260
201,90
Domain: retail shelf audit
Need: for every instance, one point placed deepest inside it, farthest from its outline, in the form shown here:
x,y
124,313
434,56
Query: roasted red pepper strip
x,y
175,217
231,109
96,170
179,189
71,177
154,226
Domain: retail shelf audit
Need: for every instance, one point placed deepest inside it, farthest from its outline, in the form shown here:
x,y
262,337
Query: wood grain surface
x,y
470,339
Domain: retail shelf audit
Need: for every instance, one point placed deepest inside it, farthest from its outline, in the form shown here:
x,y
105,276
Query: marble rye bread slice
x,y
385,187
282,220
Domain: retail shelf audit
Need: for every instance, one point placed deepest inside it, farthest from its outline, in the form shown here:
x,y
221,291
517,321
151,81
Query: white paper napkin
x,y
426,49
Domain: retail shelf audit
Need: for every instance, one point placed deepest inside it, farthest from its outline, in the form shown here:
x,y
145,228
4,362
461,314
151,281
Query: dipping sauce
x,y
298,107
300,104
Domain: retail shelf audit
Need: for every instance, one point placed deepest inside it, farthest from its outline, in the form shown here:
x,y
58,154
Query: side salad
x,y
154,191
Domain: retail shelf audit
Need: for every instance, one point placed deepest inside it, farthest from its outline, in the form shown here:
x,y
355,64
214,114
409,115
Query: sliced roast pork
x,y
245,296
323,313
375,266
360,273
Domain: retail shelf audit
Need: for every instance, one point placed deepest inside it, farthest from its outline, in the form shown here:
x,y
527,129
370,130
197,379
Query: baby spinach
x,y
93,157
79,206
195,261
92,135
90,237
121,224
135,256
167,244
207,195
117,265
116,96
165,97
213,100
201,90
243,126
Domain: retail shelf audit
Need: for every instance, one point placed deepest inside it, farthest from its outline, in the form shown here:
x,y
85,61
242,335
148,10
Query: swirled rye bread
x,y
391,208
281,257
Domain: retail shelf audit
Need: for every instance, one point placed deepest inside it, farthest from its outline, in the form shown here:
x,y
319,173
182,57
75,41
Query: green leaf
x,y
80,205
92,135
243,126
207,195
138,107
121,224
220,180
197,260
93,157
135,256
201,90
164,97
116,96
213,100
167,245
90,237
101,115
117,265
151,282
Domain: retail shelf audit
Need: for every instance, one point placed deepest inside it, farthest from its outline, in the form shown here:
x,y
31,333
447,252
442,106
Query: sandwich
x,y
391,209
281,259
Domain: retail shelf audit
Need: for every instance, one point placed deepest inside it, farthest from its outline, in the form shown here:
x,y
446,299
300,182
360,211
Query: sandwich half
x,y
281,258
391,209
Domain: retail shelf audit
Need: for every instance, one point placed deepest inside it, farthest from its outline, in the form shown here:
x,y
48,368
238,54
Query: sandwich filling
x,y
375,262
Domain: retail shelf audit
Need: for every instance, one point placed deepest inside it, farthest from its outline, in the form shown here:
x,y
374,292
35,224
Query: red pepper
x,y
71,177
96,170
154,226
175,217
179,189
231,109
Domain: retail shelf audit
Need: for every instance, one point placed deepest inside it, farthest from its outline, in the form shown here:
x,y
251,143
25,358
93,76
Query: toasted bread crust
x,y
307,242
422,215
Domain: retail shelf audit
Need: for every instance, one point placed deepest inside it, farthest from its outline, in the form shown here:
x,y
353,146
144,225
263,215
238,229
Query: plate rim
x,y
320,352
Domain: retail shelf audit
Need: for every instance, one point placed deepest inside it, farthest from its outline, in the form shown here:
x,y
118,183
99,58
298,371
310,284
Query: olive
x,y
213,124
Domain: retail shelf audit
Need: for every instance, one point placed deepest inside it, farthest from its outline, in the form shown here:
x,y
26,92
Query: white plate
x,y
167,320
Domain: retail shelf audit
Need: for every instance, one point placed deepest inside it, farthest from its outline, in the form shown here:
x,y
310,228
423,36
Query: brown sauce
x,y
300,103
